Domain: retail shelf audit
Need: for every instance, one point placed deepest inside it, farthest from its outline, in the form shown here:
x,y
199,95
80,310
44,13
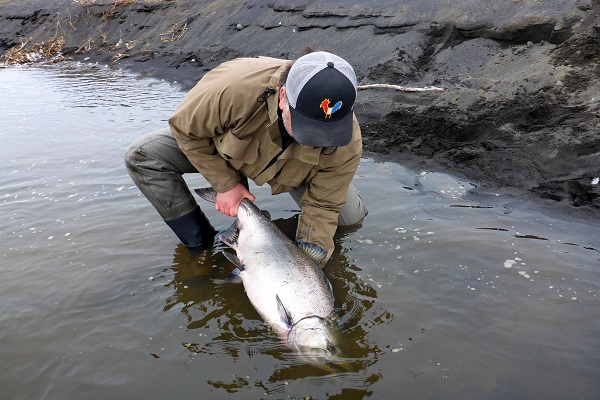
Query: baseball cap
x,y
321,90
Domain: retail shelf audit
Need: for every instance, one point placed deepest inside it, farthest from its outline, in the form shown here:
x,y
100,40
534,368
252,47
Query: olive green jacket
x,y
226,132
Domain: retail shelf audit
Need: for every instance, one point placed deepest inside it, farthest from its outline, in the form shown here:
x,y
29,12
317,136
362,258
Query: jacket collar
x,y
273,101
295,150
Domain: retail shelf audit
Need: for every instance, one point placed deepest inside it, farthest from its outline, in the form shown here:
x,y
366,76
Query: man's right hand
x,y
227,202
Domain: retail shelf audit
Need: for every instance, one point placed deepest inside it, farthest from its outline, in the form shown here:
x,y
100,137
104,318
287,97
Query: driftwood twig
x,y
401,88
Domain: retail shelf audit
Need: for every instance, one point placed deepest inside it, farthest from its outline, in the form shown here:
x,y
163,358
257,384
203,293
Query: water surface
x,y
441,294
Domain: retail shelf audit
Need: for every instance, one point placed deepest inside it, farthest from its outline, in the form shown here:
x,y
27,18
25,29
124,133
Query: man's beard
x,y
287,121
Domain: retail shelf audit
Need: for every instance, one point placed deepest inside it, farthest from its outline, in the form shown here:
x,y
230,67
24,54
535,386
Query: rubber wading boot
x,y
194,230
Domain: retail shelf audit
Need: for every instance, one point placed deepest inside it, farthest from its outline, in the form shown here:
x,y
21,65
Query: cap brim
x,y
310,132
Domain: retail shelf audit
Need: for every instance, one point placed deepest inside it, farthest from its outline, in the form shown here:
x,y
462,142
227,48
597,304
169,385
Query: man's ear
x,y
282,99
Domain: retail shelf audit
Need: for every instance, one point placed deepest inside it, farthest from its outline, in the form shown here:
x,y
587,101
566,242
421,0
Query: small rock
x,y
239,27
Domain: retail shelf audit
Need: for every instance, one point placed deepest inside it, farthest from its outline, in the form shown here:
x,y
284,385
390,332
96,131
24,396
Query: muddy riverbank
x,y
520,110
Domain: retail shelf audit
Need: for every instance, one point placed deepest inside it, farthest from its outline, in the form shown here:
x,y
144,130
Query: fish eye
x,y
331,349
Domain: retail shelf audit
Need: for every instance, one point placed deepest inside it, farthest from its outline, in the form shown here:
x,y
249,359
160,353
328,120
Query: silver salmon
x,y
283,283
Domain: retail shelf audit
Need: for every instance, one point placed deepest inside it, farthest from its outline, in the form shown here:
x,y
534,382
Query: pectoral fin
x,y
235,276
283,314
234,260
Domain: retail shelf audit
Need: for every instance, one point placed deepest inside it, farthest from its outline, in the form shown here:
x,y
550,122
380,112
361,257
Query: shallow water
x,y
441,294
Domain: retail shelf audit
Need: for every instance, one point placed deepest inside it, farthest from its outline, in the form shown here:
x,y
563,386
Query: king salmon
x,y
283,282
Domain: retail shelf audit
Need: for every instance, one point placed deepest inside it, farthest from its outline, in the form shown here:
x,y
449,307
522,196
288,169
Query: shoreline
x,y
520,110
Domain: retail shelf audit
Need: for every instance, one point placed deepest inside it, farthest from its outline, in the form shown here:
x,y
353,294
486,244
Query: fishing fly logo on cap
x,y
321,90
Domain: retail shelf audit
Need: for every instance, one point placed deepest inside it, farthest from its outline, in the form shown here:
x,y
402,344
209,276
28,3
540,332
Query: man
x,y
288,124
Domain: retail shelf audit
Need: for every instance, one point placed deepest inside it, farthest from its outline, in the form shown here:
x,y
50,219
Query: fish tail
x,y
207,194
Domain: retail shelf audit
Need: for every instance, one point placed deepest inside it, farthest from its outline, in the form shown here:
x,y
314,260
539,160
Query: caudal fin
x,y
207,194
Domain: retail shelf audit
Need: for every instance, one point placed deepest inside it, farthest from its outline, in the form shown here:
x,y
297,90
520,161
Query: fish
x,y
284,283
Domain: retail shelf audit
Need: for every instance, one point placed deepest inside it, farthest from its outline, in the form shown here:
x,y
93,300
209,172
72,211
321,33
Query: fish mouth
x,y
330,352
321,353
325,360
315,339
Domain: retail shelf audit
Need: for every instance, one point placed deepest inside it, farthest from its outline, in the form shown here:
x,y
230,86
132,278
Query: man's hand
x,y
227,202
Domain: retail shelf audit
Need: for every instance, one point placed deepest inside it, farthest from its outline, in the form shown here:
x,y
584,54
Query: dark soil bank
x,y
520,110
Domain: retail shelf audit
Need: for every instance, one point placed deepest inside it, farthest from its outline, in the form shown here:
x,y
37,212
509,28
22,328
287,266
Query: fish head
x,y
247,211
315,338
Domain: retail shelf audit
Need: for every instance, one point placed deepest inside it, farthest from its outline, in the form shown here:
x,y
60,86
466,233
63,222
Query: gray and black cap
x,y
321,90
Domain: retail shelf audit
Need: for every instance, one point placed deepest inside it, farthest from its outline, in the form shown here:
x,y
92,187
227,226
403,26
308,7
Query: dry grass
x,y
86,46
116,3
119,56
51,49
175,33
48,51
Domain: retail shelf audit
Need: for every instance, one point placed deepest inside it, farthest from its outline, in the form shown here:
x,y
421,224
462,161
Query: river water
x,y
441,294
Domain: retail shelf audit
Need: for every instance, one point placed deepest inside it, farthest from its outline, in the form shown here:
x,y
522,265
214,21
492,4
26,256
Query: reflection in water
x,y
191,271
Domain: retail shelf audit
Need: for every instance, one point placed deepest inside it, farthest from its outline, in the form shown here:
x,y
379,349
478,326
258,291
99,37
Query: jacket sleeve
x,y
323,199
195,123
